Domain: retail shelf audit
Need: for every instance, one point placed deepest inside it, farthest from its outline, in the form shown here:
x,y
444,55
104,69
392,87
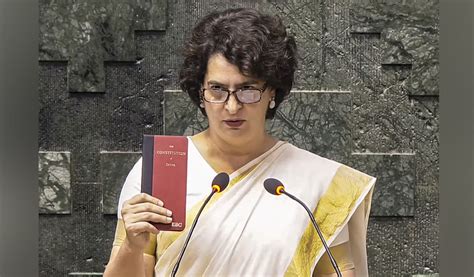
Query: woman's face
x,y
232,121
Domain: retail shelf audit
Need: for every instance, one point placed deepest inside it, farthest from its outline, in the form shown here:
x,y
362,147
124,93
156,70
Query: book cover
x,y
164,175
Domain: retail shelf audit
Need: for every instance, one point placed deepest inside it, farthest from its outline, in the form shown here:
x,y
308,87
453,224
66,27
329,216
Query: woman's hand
x,y
137,213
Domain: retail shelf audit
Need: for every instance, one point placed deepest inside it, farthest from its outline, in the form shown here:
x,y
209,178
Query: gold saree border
x,y
331,213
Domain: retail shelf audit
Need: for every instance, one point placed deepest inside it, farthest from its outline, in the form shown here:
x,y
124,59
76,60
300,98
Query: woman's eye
x,y
247,88
218,88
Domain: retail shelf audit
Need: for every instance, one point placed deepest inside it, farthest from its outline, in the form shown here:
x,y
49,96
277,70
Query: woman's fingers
x,y
138,228
149,207
144,203
147,217
138,214
144,197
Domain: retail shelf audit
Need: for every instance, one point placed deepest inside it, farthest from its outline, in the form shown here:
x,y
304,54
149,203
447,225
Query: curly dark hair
x,y
256,43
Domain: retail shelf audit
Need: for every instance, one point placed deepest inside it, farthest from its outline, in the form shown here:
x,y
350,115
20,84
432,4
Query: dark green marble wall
x,y
366,94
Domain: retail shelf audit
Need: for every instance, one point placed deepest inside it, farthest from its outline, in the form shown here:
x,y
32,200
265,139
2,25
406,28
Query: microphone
x,y
275,187
219,184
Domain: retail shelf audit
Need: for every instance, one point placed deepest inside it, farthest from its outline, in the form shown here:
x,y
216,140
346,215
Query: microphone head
x,y
220,182
273,186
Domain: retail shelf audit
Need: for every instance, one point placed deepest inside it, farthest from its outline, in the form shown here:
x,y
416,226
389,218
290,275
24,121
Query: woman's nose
x,y
233,105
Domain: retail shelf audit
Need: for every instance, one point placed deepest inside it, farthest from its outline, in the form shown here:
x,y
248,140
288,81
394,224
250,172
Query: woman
x,y
238,68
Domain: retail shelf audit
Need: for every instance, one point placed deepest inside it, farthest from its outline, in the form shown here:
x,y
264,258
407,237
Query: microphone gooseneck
x,y
275,187
219,183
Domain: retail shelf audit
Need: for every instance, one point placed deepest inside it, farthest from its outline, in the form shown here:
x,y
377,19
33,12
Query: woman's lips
x,y
234,123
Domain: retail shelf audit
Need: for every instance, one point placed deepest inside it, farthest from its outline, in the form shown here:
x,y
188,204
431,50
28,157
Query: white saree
x,y
245,231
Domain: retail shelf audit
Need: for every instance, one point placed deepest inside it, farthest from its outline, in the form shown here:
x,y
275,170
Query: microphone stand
x,y
331,258
176,266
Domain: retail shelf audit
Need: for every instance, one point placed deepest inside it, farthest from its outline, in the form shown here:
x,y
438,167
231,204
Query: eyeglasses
x,y
246,95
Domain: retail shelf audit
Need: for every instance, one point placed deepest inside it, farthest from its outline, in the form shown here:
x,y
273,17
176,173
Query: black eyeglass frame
x,y
229,92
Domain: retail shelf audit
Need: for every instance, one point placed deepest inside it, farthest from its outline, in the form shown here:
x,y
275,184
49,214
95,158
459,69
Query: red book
x,y
164,175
